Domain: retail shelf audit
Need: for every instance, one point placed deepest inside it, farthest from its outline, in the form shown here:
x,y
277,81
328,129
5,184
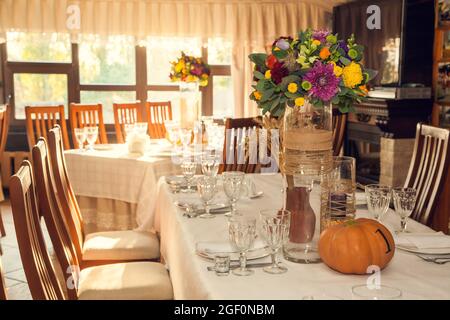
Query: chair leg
x,y
2,226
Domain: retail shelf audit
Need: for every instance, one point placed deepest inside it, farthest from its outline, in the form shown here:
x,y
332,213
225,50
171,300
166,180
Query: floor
x,y
16,283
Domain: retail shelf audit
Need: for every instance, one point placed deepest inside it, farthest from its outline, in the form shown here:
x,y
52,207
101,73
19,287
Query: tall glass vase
x,y
306,159
189,104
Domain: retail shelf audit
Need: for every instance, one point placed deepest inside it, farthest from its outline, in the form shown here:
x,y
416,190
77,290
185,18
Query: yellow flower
x,y
352,75
292,87
299,101
316,42
191,78
276,49
179,66
268,74
257,95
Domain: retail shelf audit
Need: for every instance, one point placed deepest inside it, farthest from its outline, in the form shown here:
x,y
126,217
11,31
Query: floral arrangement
x,y
190,69
316,68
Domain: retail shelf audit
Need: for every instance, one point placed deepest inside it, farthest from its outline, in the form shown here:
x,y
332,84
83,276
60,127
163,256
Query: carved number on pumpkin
x,y
384,237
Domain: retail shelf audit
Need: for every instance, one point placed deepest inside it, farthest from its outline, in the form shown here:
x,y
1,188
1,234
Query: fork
x,y
436,260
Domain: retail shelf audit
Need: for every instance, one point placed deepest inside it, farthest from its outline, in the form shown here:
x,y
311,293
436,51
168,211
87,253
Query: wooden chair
x,y
125,113
157,113
4,128
429,174
2,280
136,280
241,150
41,119
99,247
85,115
339,124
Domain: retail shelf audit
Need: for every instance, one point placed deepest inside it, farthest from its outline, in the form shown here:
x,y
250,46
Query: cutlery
x,y
256,195
249,265
435,259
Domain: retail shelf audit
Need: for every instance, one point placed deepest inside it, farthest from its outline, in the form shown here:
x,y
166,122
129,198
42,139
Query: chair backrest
x,y
51,210
39,271
339,124
240,150
64,191
428,170
157,113
41,119
125,113
86,115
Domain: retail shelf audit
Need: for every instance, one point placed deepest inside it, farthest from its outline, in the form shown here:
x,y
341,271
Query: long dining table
x,y
416,278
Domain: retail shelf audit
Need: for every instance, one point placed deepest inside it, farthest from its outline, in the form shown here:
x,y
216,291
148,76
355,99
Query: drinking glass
x,y
275,230
210,165
404,202
129,130
222,264
91,136
173,131
378,199
232,185
206,186
186,137
381,292
141,128
81,136
242,231
188,167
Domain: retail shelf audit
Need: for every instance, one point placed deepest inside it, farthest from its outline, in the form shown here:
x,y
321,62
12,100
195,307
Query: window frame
x,y
74,87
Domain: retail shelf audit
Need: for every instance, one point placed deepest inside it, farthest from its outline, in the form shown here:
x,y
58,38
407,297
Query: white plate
x,y
252,254
414,249
103,147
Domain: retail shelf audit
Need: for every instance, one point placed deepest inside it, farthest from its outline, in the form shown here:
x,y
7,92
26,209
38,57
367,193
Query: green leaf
x,y
267,94
258,58
275,103
288,79
335,100
258,75
372,74
345,61
280,54
263,84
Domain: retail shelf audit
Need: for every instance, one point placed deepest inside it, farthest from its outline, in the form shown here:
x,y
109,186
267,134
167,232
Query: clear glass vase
x,y
306,160
189,104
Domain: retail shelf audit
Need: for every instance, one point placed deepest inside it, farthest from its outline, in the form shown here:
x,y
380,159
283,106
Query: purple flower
x,y
324,84
320,35
282,44
286,39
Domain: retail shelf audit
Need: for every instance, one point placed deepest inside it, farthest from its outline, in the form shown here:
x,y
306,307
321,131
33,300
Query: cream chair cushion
x,y
121,245
125,281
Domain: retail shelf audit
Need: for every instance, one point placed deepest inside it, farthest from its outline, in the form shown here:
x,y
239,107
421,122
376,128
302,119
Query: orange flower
x,y
363,88
257,95
324,53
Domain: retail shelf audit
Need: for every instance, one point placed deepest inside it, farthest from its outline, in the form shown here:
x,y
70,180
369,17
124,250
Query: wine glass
x,y
210,165
81,136
129,131
188,167
378,199
186,137
232,185
275,229
141,128
242,231
206,186
91,136
404,202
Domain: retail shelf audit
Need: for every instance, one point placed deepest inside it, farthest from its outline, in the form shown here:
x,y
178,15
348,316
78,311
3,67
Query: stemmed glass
x,y
186,137
141,128
275,230
81,136
378,199
404,202
232,185
206,186
242,231
91,136
210,165
188,167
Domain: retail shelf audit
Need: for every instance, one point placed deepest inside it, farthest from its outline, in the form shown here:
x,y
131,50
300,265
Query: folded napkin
x,y
223,246
423,240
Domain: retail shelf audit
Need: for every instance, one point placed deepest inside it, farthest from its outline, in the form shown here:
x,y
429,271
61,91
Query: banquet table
x,y
111,172
416,278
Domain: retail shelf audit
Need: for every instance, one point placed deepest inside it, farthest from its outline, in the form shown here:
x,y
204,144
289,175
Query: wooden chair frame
x,y
157,113
40,119
125,113
429,174
3,295
83,115
4,129
41,276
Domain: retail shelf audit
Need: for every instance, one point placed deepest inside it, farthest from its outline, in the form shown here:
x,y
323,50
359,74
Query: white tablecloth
x,y
416,278
116,174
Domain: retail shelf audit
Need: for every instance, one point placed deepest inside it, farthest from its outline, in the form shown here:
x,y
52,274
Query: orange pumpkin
x,y
353,246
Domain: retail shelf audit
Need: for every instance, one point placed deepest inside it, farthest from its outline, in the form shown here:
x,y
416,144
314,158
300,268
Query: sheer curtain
x,y
251,25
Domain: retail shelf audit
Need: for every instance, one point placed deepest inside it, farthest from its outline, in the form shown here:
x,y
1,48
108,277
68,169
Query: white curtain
x,y
250,24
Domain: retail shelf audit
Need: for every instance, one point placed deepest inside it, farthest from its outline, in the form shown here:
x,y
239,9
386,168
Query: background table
x,y
116,189
416,278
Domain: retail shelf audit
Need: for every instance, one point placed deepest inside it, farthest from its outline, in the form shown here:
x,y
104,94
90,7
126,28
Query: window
x,y
223,100
107,62
161,51
107,98
38,47
219,51
38,89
